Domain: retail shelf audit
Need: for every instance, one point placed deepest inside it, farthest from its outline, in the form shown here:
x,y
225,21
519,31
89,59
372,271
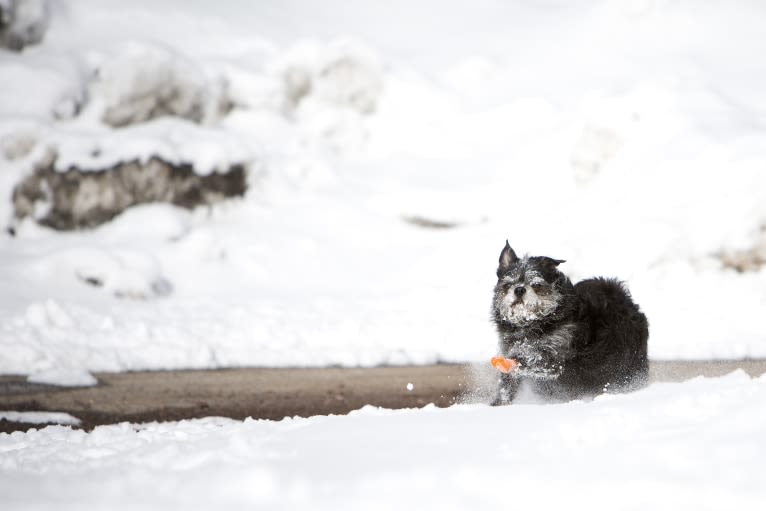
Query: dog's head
x,y
529,288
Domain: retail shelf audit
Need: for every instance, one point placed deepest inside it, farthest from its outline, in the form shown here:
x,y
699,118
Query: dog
x,y
570,341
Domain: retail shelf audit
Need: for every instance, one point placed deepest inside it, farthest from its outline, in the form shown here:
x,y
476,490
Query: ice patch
x,y
64,377
39,418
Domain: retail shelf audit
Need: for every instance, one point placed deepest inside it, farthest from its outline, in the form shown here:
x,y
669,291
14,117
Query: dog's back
x,y
610,343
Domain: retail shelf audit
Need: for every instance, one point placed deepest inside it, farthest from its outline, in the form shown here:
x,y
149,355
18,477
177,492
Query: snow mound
x,y
23,22
42,87
750,259
329,90
343,74
124,273
142,81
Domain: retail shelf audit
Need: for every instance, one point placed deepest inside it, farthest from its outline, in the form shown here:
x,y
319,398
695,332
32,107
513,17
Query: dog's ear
x,y
507,258
550,262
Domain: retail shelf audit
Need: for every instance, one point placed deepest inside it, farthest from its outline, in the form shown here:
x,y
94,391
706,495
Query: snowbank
x,y
692,445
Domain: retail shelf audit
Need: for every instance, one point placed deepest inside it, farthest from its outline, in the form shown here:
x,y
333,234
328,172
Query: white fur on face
x,y
531,306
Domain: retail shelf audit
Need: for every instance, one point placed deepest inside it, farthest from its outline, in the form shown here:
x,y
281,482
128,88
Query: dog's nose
x,y
519,291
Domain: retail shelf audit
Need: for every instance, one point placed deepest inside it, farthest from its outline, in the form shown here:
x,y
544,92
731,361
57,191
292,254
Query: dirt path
x,y
276,393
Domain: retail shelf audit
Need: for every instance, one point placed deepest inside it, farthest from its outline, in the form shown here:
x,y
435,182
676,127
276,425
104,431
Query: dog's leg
x,y
507,387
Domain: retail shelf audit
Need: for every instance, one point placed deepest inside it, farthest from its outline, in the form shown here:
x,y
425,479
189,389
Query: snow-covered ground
x,y
624,137
692,446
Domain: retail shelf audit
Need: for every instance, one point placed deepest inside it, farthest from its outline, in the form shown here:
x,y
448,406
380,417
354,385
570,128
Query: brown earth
x,y
276,393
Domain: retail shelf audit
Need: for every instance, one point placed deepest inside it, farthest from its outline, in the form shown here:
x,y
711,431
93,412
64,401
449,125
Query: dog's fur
x,y
571,341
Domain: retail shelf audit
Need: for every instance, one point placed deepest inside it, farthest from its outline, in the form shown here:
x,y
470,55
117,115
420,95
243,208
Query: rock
x,y
75,199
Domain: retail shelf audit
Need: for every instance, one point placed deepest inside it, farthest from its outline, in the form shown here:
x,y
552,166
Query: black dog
x,y
570,341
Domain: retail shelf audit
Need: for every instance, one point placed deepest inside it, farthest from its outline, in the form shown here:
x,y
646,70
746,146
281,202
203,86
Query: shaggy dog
x,y
570,341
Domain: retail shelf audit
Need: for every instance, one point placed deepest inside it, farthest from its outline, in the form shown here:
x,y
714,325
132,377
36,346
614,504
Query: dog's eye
x,y
537,286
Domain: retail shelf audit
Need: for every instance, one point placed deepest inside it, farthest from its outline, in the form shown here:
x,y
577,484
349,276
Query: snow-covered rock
x,y
343,74
77,198
750,259
143,81
23,22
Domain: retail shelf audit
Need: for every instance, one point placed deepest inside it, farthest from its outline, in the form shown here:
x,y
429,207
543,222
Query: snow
x,y
576,132
170,139
142,81
39,417
23,22
692,445
64,378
